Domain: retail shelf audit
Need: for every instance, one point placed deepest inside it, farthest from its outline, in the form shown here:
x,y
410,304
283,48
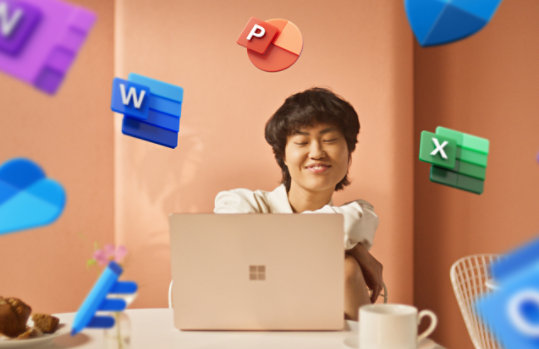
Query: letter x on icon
x,y
439,148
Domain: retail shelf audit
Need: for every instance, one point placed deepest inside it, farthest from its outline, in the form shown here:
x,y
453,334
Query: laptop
x,y
257,271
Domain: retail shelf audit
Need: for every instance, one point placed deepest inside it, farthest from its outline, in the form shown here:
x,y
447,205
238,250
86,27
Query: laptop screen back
x,y
257,271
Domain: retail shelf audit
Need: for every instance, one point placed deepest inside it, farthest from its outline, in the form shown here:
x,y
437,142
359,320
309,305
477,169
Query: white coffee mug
x,y
392,326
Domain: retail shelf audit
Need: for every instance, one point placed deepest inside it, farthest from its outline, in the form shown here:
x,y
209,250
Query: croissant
x,y
14,314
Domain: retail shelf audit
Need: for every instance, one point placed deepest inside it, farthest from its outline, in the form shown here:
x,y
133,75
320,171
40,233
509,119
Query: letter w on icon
x,y
8,24
132,94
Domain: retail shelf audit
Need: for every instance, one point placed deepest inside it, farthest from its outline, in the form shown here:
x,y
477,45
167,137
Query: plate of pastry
x,y
18,330
42,339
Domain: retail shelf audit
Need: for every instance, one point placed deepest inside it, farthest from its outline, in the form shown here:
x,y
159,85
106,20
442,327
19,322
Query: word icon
x,y
97,300
436,22
151,108
40,39
272,45
512,310
28,199
458,159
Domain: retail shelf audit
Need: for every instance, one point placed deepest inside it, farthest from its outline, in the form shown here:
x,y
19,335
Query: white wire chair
x,y
469,277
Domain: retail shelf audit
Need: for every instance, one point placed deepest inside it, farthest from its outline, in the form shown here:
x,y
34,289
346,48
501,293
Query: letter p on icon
x,y
257,35
257,31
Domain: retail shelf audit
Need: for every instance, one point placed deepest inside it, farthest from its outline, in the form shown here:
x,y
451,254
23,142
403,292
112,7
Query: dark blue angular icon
x,y
436,22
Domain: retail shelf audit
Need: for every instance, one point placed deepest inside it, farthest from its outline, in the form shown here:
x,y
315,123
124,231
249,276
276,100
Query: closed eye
x,y
300,143
332,140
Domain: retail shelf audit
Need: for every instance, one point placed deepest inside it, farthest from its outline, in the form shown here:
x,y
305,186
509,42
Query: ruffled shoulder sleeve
x,y
240,201
360,222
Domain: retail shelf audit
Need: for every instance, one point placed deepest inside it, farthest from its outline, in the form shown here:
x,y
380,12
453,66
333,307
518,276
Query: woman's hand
x,y
371,268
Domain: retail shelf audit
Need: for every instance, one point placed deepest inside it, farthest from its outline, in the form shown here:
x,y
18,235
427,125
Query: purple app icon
x,y
18,21
48,44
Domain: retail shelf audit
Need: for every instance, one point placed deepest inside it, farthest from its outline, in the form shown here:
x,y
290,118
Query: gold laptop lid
x,y
257,271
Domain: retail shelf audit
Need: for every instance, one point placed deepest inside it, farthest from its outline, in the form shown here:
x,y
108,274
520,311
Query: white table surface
x,y
154,329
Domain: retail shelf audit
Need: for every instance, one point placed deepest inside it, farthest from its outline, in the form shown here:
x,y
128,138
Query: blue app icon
x,y
97,300
515,261
130,99
28,199
151,108
512,311
436,22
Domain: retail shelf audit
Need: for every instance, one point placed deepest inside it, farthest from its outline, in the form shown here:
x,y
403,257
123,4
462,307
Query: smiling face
x,y
317,157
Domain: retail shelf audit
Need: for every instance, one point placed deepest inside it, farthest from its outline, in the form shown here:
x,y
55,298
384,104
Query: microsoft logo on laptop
x,y
257,272
458,159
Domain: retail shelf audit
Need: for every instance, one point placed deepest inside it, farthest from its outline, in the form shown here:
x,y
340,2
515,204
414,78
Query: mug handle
x,y
433,323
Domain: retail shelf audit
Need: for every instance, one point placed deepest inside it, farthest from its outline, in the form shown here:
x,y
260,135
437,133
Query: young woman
x,y
313,135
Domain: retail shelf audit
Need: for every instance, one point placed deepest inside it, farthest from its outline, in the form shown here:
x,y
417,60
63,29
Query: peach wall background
x,y
486,85
70,136
360,49
122,189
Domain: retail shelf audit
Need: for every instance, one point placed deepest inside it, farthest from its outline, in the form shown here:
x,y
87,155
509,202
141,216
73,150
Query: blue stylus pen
x,y
96,300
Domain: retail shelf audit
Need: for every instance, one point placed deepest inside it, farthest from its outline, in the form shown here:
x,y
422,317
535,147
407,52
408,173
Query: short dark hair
x,y
307,108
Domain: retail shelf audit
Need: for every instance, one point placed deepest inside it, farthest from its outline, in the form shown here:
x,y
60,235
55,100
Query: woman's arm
x,y
371,268
360,224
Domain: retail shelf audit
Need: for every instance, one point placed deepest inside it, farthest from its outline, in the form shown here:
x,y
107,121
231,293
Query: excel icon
x,y
458,159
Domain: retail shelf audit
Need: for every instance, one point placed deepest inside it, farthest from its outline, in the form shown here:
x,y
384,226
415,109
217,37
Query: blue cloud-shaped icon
x,y
28,199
